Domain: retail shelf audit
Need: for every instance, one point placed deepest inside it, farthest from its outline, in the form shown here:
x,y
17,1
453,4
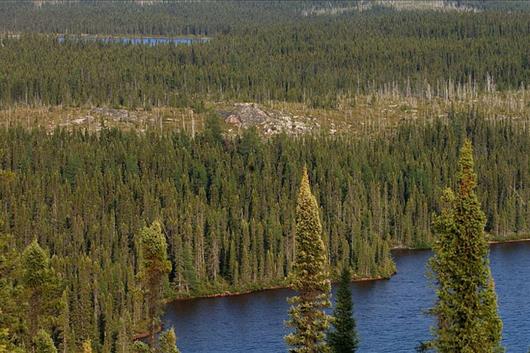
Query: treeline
x,y
151,18
312,60
191,17
226,207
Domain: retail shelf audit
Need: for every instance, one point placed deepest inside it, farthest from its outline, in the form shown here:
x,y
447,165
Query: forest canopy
x,y
314,59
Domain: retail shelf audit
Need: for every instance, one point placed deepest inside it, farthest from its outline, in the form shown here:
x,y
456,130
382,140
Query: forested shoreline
x,y
121,187
226,205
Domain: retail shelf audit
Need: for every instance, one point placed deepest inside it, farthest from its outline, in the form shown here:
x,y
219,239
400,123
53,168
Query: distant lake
x,y
134,40
389,313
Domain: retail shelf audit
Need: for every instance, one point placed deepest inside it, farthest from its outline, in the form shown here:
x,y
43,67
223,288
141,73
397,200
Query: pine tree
x,y
154,271
44,343
343,338
466,310
168,342
309,278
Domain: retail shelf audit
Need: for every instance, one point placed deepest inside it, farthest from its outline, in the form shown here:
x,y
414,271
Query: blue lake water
x,y
390,314
135,40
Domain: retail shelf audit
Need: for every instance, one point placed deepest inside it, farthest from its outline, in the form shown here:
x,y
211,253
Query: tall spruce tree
x,y
309,278
155,267
41,286
343,337
466,309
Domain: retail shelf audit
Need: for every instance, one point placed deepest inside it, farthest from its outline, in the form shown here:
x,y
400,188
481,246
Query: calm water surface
x,y
389,313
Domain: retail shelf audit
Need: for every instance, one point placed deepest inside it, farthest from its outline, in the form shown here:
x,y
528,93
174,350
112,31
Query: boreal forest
x,y
132,174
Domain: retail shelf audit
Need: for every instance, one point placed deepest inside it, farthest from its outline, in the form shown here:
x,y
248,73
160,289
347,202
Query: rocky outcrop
x,y
270,122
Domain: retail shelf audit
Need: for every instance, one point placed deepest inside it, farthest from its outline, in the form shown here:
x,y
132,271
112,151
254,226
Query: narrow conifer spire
x,y
310,278
343,337
466,310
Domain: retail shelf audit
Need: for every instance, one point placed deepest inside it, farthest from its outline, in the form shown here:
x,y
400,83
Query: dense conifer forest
x,y
99,227
226,206
314,59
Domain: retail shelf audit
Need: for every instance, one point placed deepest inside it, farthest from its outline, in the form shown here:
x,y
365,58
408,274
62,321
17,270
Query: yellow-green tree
x,y
168,342
466,309
41,286
43,343
155,267
309,278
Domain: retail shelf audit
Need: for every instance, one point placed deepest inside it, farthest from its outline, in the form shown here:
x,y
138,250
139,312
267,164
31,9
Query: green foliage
x,y
10,311
43,343
228,210
87,347
140,347
42,288
153,253
314,60
310,278
466,310
168,342
6,344
343,337
36,266
154,270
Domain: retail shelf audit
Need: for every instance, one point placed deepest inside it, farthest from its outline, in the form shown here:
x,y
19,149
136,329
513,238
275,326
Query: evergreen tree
x,y
38,280
44,343
343,338
140,347
6,344
154,271
64,323
168,342
11,313
466,310
87,346
310,278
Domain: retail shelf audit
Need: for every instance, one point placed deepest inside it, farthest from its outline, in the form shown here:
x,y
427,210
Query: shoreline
x,y
490,242
354,280
144,335
251,291
524,240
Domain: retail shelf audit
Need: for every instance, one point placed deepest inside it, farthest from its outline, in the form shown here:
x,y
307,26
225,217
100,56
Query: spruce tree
x,y
168,342
309,278
43,343
343,338
39,281
466,309
154,272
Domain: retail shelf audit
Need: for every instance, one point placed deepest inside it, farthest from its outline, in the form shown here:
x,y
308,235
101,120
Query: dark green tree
x,y
466,309
343,337
309,278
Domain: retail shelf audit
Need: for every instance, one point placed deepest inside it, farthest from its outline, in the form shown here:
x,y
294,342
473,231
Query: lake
x,y
390,314
135,40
